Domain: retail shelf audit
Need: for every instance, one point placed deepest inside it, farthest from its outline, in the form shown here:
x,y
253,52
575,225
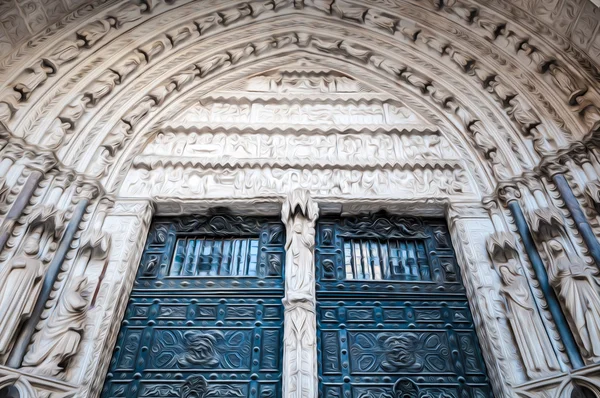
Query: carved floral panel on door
x,y
205,315
393,316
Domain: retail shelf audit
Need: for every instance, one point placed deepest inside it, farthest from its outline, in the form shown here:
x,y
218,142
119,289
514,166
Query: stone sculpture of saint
x,y
299,214
578,289
20,285
536,351
58,342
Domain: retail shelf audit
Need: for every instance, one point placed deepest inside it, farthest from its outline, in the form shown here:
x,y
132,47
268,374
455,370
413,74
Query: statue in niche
x,y
58,342
536,350
577,287
20,285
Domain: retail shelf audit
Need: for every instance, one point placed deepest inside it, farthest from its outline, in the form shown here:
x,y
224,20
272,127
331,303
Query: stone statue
x,y
59,340
299,214
20,285
536,351
577,286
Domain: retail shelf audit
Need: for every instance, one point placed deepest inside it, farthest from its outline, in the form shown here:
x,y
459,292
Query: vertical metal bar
x,y
377,266
542,276
386,261
178,258
357,260
20,347
580,220
19,205
366,259
225,268
348,260
197,254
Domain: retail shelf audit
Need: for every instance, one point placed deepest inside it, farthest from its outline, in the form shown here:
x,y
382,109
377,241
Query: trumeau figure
x,y
59,340
299,214
578,289
529,332
20,285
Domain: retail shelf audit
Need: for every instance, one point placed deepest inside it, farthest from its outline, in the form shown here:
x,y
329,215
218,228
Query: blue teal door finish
x,y
393,317
205,316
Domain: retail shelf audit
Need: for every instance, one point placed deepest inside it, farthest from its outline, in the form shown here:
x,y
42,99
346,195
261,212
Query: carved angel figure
x,y
20,285
535,348
578,290
58,342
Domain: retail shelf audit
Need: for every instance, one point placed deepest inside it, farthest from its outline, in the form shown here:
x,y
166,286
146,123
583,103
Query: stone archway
x,y
470,110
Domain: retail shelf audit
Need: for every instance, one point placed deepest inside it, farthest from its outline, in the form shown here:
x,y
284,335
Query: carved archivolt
x,y
521,108
416,103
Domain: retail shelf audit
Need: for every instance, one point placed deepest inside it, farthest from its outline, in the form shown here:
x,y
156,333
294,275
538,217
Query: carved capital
x,y
509,192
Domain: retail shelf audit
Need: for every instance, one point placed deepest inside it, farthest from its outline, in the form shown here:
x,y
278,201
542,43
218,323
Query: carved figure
x,y
299,214
20,285
533,343
577,287
58,342
31,78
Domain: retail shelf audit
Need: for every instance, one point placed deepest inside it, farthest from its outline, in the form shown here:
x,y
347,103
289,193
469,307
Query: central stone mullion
x,y
299,214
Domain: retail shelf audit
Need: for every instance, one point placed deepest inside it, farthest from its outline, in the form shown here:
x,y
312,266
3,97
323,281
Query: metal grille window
x,y
215,257
393,259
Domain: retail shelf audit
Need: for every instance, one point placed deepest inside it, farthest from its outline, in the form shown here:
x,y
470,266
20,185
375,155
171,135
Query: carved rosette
x,y
299,214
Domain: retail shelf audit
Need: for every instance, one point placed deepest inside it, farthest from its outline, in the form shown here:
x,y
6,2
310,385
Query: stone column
x,y
510,196
556,173
299,214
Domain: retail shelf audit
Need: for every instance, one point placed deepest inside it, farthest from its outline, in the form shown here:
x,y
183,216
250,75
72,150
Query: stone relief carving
x,y
21,282
575,282
299,214
320,148
59,340
256,182
92,33
372,113
578,287
534,346
303,82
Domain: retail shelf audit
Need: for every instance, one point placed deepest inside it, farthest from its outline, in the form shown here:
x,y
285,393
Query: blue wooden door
x,y
393,318
205,314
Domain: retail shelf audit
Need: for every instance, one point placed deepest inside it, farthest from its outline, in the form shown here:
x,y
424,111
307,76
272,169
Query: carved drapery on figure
x,y
59,341
299,214
577,286
20,285
530,335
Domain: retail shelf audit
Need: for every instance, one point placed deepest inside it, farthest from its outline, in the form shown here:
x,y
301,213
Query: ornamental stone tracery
x,y
486,112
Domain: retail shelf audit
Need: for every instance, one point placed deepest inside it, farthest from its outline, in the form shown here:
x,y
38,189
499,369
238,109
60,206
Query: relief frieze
x,y
344,114
323,148
429,181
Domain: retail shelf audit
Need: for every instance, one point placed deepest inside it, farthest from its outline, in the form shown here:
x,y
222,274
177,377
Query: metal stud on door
x,y
393,318
205,314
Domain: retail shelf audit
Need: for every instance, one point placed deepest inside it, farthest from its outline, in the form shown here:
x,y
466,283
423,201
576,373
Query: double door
x,y
205,316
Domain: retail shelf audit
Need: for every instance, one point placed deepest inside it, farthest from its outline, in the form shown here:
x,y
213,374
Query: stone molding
x,y
249,92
